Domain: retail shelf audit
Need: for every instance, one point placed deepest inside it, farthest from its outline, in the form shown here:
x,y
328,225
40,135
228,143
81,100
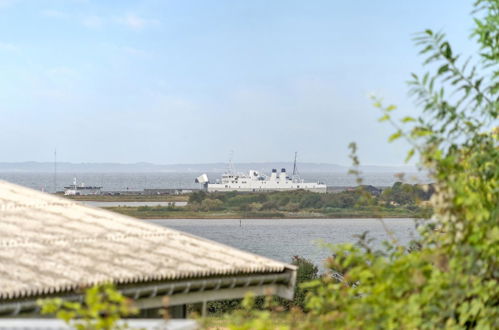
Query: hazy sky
x,y
189,81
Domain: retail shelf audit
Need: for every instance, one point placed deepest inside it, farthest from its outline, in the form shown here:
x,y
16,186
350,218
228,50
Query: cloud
x,y
52,13
8,47
93,22
135,22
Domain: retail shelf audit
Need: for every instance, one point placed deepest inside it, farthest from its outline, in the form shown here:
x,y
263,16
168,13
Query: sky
x,y
195,81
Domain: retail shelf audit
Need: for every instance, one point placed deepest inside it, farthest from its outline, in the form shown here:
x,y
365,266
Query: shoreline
x,y
127,198
165,215
283,218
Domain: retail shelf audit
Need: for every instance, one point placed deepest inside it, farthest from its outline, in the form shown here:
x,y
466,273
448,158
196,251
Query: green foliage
x,y
487,32
263,204
306,272
158,208
310,201
402,193
250,318
209,204
103,306
449,278
197,197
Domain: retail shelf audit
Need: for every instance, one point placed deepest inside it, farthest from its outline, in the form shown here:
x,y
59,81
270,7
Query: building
x,y
51,246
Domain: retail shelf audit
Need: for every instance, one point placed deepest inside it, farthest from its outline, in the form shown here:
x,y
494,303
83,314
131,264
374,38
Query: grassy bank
x,y
168,212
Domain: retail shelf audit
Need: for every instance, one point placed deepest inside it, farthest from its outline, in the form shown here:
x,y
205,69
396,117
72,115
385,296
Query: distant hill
x,y
194,168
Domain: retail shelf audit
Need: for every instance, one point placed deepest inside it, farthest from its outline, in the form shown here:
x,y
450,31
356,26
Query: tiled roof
x,y
50,244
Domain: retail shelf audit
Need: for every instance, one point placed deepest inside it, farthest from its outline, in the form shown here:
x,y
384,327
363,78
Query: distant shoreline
x,y
214,167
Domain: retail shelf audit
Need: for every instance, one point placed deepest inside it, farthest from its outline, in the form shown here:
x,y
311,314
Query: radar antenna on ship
x,y
231,165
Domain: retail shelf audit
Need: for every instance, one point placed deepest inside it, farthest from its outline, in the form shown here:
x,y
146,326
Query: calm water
x,y
139,181
281,239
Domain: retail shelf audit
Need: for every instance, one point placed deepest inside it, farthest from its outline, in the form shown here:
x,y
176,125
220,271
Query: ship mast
x,y
295,170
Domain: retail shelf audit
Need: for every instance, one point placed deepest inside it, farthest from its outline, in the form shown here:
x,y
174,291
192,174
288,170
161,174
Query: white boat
x,y
255,181
76,190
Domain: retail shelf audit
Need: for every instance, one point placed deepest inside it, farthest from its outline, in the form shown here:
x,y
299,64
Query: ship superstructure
x,y
254,181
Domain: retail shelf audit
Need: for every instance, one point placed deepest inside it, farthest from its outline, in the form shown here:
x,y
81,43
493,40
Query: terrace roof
x,y
54,246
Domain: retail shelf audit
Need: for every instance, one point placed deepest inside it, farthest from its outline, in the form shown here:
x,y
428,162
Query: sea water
x,y
281,239
175,180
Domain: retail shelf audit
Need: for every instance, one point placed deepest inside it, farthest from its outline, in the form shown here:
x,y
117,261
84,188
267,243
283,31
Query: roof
x,y
50,245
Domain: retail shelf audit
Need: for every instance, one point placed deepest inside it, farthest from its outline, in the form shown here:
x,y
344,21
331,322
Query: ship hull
x,y
265,188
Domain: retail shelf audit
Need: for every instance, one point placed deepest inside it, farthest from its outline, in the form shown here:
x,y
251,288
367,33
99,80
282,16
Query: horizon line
x,y
198,163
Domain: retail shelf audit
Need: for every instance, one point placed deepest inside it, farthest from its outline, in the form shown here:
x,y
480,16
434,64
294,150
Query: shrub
x,y
270,205
255,206
103,306
309,201
197,197
211,204
306,272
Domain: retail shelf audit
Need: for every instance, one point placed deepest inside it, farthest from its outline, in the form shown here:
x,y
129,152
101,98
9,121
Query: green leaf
x,y
409,155
443,68
391,107
425,78
395,136
420,132
408,119
426,49
447,50
384,118
478,82
494,88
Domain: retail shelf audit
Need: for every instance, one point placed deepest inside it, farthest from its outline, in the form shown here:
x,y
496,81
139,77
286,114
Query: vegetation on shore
x,y
160,212
401,200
